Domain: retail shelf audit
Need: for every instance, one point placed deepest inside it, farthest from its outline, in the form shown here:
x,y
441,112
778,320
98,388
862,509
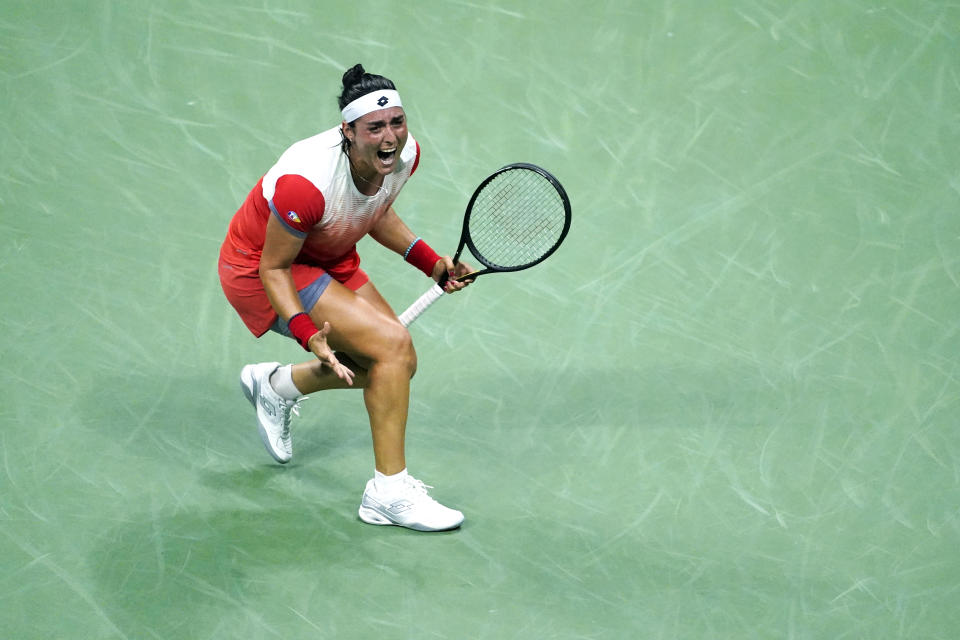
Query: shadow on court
x,y
172,573
709,478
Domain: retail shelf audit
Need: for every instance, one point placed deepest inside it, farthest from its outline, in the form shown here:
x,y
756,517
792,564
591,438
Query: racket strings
x,y
517,218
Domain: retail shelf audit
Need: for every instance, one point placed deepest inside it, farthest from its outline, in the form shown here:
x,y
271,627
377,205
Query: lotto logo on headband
x,y
383,101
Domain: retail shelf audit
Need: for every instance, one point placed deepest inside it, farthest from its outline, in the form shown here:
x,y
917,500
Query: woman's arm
x,y
280,248
391,232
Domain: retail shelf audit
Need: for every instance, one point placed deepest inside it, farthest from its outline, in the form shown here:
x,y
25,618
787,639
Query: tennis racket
x,y
515,219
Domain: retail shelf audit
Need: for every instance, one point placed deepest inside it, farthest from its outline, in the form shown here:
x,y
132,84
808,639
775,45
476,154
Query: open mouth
x,y
387,156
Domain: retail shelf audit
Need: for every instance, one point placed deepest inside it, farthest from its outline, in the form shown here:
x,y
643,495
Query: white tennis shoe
x,y
273,412
408,506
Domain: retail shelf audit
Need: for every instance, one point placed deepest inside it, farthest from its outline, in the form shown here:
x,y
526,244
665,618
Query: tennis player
x,y
289,264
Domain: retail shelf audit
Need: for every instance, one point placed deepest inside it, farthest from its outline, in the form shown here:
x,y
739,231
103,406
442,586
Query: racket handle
x,y
413,311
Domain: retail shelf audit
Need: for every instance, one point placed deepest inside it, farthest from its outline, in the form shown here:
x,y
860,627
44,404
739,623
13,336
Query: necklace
x,y
356,175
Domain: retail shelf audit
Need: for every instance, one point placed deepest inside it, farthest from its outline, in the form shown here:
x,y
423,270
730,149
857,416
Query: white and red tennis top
x,y
310,189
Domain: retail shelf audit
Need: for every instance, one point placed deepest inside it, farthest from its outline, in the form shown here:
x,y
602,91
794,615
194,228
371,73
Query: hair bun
x,y
353,75
357,82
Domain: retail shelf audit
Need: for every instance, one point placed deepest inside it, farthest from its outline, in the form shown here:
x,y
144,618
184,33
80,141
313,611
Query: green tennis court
x,y
727,407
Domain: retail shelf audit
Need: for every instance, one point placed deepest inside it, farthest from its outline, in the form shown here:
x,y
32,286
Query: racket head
x,y
516,218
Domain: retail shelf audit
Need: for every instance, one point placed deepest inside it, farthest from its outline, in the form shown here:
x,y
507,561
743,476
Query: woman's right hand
x,y
318,345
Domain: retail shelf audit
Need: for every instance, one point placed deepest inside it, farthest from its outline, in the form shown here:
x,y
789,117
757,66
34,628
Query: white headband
x,y
371,102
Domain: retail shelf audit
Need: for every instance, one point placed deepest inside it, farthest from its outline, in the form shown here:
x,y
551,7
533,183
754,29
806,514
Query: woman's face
x,y
377,139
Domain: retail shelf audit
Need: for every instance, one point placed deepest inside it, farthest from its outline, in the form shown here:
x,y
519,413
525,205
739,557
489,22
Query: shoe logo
x,y
400,506
269,408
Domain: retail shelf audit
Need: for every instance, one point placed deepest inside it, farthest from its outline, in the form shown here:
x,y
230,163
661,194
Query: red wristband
x,y
302,328
422,257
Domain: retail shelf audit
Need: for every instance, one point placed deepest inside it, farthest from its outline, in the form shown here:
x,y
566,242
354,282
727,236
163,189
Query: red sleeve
x,y
297,203
416,161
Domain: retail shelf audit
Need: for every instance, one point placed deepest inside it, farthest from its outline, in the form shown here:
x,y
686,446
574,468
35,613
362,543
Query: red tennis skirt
x,y
244,290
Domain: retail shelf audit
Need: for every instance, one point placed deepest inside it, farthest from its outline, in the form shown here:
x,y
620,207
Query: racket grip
x,y
413,311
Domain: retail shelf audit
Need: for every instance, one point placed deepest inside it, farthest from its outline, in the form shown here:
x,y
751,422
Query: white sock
x,y
282,382
389,484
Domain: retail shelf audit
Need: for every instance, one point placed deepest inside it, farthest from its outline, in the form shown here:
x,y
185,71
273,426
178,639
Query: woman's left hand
x,y
453,271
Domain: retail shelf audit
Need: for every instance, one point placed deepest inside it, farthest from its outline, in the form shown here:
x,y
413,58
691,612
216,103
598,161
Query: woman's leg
x,y
315,377
365,329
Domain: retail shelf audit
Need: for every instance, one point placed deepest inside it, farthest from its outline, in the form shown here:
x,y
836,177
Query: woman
x,y
289,264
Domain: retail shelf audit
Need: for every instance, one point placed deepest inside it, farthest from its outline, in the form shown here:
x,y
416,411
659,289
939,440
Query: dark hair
x,y
357,82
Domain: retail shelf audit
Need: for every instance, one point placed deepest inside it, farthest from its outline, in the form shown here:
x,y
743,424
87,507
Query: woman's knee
x,y
397,347
407,353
